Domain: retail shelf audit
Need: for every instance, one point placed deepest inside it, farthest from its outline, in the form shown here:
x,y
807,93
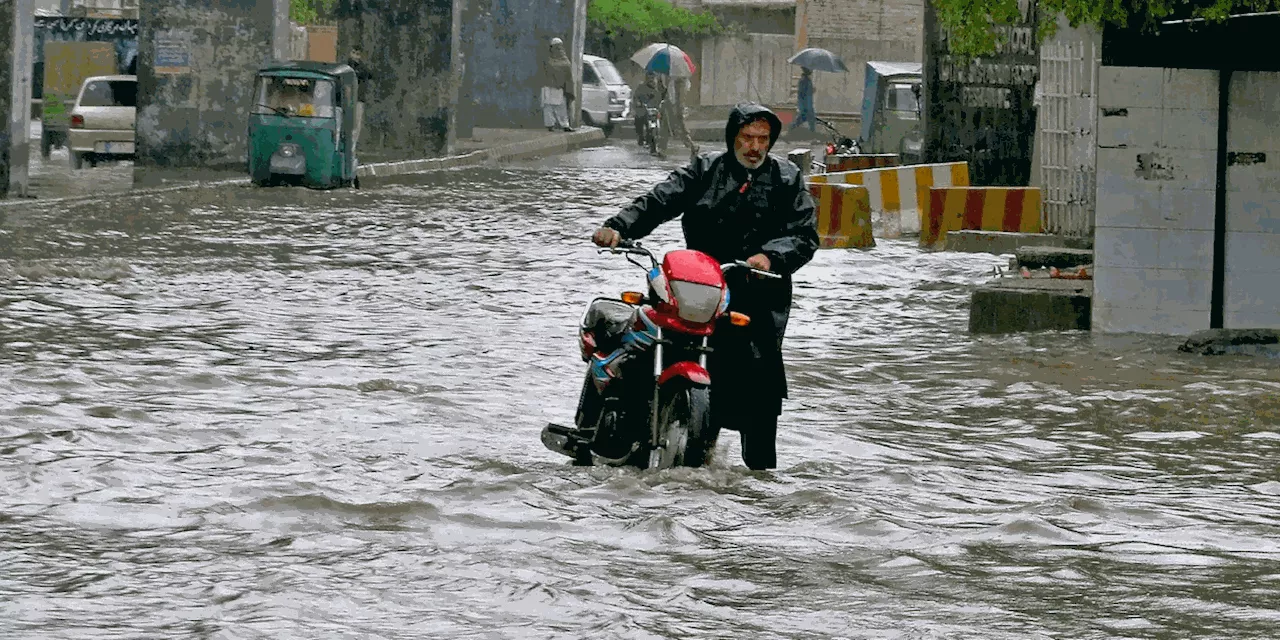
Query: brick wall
x,y
880,20
859,31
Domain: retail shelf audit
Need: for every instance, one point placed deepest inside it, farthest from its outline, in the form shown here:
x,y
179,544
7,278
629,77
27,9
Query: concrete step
x,y
1004,242
1011,305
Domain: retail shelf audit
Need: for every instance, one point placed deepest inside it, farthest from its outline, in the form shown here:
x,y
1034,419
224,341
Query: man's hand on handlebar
x,y
759,261
606,237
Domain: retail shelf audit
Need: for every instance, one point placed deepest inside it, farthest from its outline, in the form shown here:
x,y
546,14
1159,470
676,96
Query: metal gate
x,y
1069,130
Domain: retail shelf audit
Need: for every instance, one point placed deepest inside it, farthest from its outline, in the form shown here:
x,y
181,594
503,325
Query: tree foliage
x,y
309,11
617,28
973,24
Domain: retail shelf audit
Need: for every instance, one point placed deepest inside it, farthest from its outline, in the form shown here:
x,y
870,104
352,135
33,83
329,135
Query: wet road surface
x,y
296,414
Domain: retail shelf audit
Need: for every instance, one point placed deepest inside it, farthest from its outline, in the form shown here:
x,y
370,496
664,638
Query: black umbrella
x,y
819,60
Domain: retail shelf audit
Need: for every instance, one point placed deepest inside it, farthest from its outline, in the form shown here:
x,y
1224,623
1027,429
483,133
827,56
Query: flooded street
x,y
298,414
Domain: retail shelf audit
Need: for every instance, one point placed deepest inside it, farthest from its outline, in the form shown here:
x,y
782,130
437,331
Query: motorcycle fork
x,y
656,408
655,413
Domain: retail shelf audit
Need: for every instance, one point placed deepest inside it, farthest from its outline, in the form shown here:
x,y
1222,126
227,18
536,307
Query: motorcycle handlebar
x,y
724,268
633,247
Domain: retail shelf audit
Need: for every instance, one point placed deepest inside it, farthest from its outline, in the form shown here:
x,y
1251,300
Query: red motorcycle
x,y
646,399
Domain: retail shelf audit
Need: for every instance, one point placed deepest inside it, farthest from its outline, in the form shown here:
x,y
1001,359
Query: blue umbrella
x,y
819,60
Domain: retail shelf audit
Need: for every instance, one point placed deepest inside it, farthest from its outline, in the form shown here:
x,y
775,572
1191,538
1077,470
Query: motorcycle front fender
x,y
695,373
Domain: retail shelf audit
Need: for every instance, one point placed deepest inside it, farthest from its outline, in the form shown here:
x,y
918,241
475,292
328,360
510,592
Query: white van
x,y
606,98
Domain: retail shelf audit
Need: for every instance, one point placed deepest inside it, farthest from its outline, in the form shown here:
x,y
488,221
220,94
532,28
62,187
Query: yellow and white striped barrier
x,y
900,195
844,216
980,209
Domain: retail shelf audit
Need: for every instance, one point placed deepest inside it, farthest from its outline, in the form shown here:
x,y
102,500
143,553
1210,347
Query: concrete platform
x,y
1011,305
1004,242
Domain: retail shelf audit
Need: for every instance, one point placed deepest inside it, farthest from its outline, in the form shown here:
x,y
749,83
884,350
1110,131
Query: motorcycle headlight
x,y
290,150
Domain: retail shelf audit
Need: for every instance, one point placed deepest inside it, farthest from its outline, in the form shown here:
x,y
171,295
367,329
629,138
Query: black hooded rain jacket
x,y
732,214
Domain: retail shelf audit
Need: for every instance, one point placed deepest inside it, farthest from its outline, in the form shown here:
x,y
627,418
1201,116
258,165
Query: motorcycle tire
x,y
684,424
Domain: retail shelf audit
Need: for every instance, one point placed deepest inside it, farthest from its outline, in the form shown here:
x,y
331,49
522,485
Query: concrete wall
x,y
197,60
16,42
504,44
1153,244
1252,265
408,48
858,31
734,69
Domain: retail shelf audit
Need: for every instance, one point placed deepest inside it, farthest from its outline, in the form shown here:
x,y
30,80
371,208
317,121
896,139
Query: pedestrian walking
x,y
804,101
673,114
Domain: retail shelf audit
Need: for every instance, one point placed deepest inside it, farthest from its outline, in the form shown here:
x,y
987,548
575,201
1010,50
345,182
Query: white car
x,y
103,120
606,97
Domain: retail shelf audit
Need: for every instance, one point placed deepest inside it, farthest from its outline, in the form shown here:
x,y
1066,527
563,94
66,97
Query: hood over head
x,y
557,50
747,112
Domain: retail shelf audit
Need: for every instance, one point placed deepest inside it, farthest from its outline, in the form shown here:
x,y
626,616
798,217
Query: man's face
x,y
752,144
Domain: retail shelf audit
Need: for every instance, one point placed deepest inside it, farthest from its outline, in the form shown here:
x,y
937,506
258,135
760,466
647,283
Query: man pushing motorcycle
x,y
743,204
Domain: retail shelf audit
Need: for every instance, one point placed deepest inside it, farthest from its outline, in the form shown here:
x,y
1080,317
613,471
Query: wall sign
x,y
173,52
89,26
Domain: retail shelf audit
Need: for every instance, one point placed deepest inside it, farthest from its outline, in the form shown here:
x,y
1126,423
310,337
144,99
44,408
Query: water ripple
x,y
300,414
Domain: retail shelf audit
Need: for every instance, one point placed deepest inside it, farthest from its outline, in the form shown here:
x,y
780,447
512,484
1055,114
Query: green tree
x,y
973,24
309,11
617,28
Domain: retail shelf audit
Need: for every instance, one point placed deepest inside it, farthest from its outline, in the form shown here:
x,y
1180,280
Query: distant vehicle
x,y
304,125
606,97
103,120
891,110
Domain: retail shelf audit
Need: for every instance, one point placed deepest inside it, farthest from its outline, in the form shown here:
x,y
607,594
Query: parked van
x,y
606,97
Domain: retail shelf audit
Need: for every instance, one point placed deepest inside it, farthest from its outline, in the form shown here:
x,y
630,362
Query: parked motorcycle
x,y
840,144
646,398
654,136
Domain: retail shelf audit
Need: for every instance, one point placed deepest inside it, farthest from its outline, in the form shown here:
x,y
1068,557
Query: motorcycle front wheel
x,y
686,435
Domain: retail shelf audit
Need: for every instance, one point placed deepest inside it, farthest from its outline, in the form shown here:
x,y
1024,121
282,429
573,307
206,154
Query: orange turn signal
x,y
632,297
739,319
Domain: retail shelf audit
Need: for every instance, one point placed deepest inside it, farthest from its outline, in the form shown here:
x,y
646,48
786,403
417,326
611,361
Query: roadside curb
x,y
41,202
540,146
370,173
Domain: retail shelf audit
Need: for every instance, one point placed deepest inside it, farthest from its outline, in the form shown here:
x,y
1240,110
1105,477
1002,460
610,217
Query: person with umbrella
x,y
810,60
672,67
804,101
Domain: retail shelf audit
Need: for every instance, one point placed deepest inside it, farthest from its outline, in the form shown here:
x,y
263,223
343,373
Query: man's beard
x,y
747,162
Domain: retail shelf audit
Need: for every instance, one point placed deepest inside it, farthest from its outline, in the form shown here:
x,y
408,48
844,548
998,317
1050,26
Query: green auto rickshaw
x,y
891,110
304,125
